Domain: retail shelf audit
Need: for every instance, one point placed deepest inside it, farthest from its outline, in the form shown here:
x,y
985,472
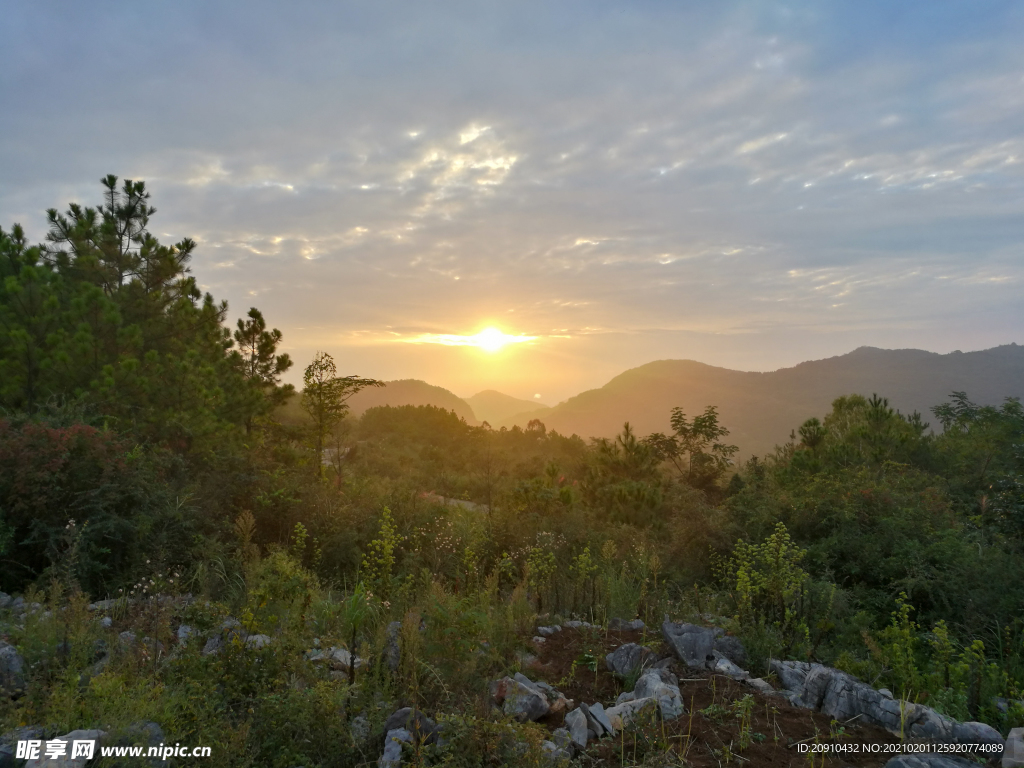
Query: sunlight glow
x,y
489,339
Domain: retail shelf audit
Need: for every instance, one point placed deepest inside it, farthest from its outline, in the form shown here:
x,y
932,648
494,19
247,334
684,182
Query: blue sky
x,y
746,184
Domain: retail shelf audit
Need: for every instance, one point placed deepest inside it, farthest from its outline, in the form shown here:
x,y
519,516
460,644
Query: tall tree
x,y
261,366
324,396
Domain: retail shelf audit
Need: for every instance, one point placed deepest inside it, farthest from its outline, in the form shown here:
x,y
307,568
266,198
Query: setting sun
x,y
489,339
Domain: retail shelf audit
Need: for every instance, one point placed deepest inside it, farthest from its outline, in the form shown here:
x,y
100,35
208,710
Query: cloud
x,y
663,169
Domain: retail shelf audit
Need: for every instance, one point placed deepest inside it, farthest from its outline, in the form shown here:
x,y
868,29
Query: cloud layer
x,y
749,184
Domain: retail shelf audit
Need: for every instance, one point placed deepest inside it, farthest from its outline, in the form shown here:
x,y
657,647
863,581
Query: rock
x,y
525,658
5,601
555,753
623,715
523,702
886,692
731,648
67,761
392,650
213,646
421,729
561,738
621,625
126,639
393,741
761,686
624,697
12,670
1013,752
538,640
598,713
18,604
576,722
843,697
593,724
360,728
549,631
652,685
106,622
629,658
258,641
692,644
184,633
102,605
145,734
929,760
723,666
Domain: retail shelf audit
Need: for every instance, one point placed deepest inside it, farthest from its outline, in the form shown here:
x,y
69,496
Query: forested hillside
x,y
187,542
762,407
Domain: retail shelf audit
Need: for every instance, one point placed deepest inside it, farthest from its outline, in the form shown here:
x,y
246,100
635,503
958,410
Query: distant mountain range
x,y
495,407
760,409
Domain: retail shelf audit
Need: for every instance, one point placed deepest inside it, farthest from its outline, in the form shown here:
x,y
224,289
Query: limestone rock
x,y
420,727
731,648
393,741
628,658
184,633
724,666
518,700
597,712
624,714
549,631
692,644
576,722
12,670
652,685
1013,752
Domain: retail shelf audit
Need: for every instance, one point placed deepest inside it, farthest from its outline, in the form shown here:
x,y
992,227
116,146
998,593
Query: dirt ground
x,y
711,732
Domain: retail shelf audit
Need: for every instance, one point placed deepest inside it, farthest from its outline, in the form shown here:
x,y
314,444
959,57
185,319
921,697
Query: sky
x,y
747,184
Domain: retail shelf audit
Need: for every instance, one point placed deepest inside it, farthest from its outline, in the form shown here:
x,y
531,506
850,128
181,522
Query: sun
x,y
490,339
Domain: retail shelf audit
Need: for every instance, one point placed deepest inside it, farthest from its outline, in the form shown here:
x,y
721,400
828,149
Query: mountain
x,y
493,407
761,409
411,392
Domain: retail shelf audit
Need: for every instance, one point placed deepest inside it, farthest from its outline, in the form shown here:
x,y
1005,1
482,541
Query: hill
x,y
494,407
411,392
761,409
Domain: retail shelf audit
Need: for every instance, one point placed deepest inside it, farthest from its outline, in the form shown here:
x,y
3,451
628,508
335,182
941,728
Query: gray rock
x,y
420,727
102,605
624,697
538,640
126,639
724,666
392,649
1013,752
731,648
393,741
106,622
9,744
598,713
549,631
258,641
973,732
554,753
12,670
629,658
213,646
621,625
574,624
523,702
184,633
5,601
761,686
625,714
652,685
692,644
18,604
359,728
67,761
593,724
561,738
576,722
